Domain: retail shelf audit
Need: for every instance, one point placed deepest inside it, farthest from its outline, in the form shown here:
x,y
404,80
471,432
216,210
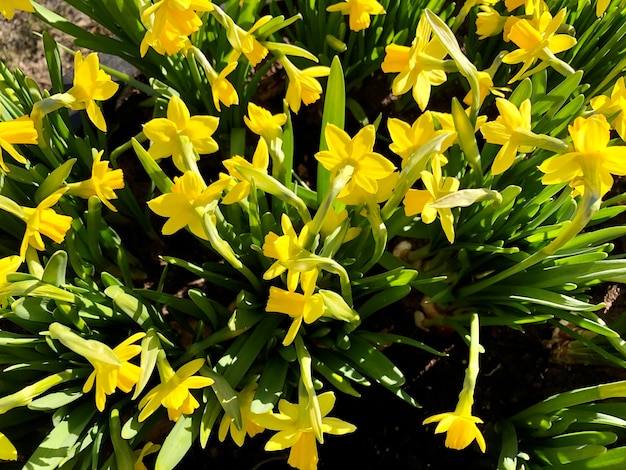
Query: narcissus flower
x,y
7,449
180,134
510,130
303,86
419,67
592,162
359,11
249,427
243,42
8,7
407,139
103,182
460,427
418,201
17,131
112,368
173,391
263,123
295,430
307,307
187,203
489,22
536,40
149,448
170,22
368,167
221,89
241,188
613,107
43,220
286,249
90,85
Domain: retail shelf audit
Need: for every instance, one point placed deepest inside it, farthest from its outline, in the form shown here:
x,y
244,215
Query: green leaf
x,y
54,273
150,347
56,400
271,385
466,197
178,442
334,113
382,299
124,456
58,443
130,305
612,459
226,395
154,171
54,180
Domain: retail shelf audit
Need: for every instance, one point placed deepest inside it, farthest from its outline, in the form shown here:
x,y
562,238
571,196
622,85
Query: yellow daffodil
x,y
489,22
303,86
17,131
249,427
333,220
147,449
486,87
419,67
368,167
536,40
173,391
592,162
359,11
285,249
613,107
170,22
180,134
187,203
260,161
112,368
243,42
103,182
7,449
263,123
459,425
8,265
221,89
306,307
8,7
90,85
42,220
295,430
406,140
510,130
418,201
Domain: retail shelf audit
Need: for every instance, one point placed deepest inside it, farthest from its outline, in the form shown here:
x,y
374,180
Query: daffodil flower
x,y
489,22
170,22
43,220
536,40
486,87
91,84
303,86
173,391
17,131
8,265
249,427
601,6
307,307
613,107
112,368
592,161
103,182
295,430
406,139
181,135
335,219
241,189
243,42
7,449
460,425
284,249
418,201
419,67
368,167
260,121
187,203
510,130
359,11
8,7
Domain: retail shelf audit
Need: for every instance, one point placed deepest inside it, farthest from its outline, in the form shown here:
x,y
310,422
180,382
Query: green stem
x,y
113,156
